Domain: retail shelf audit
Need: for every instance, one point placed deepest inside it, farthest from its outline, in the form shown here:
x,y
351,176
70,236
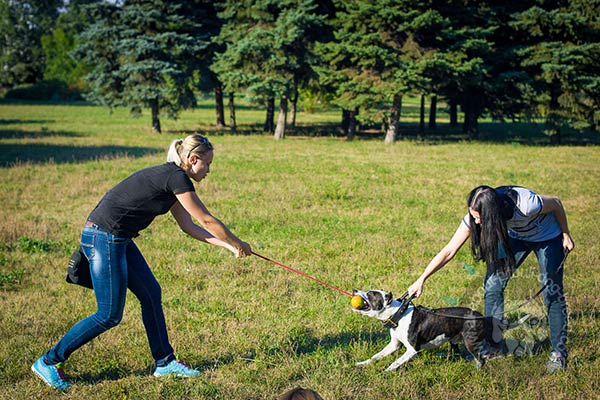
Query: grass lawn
x,y
358,214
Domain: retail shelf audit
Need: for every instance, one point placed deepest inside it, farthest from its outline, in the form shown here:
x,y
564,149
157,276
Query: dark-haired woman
x,y
505,225
116,263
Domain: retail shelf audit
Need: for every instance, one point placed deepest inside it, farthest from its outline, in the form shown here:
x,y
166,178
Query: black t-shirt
x,y
133,204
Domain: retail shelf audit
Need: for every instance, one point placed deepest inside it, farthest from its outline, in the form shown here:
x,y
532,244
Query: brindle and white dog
x,y
419,328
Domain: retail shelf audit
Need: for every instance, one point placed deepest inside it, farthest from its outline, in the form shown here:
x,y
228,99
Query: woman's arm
x,y
554,205
184,220
441,259
189,203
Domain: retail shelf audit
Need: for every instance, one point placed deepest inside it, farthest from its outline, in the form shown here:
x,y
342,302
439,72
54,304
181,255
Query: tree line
x,y
507,60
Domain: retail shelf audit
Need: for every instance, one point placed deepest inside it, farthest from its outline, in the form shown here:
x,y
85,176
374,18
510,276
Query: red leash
x,y
303,274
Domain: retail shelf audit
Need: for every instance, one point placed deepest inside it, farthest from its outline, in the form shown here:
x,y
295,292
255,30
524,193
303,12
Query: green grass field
x,y
356,214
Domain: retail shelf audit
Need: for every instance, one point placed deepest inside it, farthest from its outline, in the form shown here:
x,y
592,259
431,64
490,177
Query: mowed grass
x,y
354,214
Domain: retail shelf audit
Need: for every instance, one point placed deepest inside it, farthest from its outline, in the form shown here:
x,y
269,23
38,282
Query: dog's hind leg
x,y
474,347
387,350
454,348
407,356
454,351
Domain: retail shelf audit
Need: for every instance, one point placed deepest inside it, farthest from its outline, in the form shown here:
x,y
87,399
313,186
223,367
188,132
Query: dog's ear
x,y
389,297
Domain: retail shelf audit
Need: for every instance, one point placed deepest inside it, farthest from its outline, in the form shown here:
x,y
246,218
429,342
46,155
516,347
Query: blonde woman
x,y
116,263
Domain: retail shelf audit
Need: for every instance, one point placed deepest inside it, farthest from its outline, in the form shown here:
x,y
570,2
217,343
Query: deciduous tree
x,y
22,24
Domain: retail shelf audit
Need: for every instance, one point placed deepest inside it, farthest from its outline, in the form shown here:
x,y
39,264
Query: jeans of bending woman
x,y
116,264
550,255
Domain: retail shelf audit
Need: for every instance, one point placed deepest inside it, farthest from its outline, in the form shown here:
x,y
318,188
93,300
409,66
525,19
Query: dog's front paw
x,y
363,363
479,363
391,368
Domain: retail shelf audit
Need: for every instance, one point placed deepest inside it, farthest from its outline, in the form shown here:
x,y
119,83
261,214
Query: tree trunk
x,y
453,113
345,121
556,138
352,124
282,118
231,106
269,124
394,127
433,112
155,116
553,119
294,106
220,110
422,118
470,125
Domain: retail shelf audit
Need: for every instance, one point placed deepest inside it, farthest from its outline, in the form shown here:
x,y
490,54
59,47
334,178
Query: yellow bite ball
x,y
357,302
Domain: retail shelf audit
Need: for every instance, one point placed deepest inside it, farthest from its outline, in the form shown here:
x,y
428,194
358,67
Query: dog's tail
x,y
516,323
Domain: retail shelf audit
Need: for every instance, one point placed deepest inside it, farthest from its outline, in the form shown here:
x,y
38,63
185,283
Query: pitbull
x,y
419,328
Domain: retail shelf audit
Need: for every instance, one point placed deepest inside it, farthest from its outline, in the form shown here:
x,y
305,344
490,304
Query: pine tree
x,y
138,52
206,27
461,69
562,55
375,58
268,48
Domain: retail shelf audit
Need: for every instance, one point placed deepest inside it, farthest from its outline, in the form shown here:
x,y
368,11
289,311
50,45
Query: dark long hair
x,y
494,210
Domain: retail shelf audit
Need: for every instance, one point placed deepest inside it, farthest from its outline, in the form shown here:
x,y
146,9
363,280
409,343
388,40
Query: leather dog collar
x,y
392,322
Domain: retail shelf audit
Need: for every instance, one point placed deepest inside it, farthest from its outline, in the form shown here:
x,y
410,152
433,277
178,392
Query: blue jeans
x,y
116,264
550,255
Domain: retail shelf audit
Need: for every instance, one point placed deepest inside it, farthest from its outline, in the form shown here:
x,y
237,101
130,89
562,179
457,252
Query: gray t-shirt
x,y
527,223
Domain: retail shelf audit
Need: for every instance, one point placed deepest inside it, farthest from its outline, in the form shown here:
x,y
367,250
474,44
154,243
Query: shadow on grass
x,y
22,121
110,374
15,154
343,339
23,102
302,342
523,133
309,130
44,133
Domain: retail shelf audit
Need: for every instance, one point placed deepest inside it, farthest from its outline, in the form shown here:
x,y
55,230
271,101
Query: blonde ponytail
x,y
173,154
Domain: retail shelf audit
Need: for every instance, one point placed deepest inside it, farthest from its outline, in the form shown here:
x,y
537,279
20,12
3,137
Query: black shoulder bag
x,y
78,270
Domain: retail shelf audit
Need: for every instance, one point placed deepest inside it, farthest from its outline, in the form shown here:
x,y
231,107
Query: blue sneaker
x,y
53,375
176,368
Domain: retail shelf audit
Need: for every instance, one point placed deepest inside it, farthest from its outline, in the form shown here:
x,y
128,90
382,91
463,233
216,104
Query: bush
x,y
52,90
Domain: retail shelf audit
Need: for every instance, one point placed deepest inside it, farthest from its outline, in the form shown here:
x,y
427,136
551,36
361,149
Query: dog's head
x,y
376,302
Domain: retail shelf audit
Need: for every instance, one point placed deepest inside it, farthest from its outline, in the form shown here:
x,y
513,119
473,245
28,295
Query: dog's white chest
x,y
401,331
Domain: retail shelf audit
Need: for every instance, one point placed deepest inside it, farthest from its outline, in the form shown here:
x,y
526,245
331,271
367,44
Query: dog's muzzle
x,y
366,305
